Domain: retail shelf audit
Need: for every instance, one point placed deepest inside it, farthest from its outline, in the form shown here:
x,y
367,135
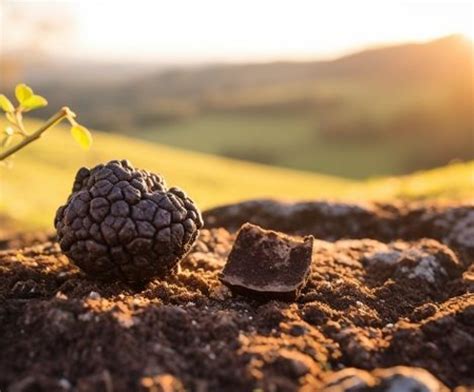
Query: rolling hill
x,y
39,178
442,61
370,113
406,63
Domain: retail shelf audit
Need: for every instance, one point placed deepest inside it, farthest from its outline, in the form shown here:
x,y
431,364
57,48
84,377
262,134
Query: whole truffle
x,y
123,223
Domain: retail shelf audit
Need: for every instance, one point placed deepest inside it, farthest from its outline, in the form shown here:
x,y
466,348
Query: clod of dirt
x,y
398,378
268,264
162,383
123,223
427,262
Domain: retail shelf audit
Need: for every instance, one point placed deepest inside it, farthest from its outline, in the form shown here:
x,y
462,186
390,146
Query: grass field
x,y
39,178
291,140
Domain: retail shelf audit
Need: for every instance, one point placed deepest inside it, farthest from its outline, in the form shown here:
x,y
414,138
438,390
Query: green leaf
x,y
23,92
34,102
82,136
5,104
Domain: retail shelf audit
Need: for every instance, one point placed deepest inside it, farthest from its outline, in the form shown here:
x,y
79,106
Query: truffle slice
x,y
268,264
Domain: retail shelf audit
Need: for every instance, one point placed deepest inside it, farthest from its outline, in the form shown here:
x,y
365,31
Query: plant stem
x,y
19,122
55,119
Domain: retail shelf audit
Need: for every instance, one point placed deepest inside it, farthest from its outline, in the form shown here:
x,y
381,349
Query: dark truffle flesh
x,y
266,264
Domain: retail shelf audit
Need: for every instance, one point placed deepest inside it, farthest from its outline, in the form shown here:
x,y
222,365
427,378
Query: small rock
x,y
426,261
409,379
64,384
394,379
386,257
61,295
268,264
94,295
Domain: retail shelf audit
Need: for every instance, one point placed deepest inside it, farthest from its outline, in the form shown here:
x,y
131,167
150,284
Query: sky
x,y
180,31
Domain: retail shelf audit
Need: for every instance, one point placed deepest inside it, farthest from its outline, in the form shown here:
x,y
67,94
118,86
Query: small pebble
x,y
94,295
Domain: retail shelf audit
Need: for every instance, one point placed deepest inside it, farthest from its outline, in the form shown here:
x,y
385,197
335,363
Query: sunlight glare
x,y
216,30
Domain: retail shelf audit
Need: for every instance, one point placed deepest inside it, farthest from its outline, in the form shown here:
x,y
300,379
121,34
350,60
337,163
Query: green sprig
x,y
28,101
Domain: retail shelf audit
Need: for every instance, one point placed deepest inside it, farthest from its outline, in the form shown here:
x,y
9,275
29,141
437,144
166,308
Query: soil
x,y
388,306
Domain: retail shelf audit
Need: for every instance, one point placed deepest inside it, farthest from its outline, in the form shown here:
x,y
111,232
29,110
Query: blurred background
x,y
340,98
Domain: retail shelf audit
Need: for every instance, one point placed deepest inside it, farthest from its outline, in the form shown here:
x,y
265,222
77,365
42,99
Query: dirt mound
x,y
389,285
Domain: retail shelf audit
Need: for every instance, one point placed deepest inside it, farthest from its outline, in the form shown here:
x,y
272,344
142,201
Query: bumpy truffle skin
x,y
123,223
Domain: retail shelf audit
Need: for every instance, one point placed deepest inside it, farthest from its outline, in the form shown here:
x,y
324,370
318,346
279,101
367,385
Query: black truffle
x,y
123,223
